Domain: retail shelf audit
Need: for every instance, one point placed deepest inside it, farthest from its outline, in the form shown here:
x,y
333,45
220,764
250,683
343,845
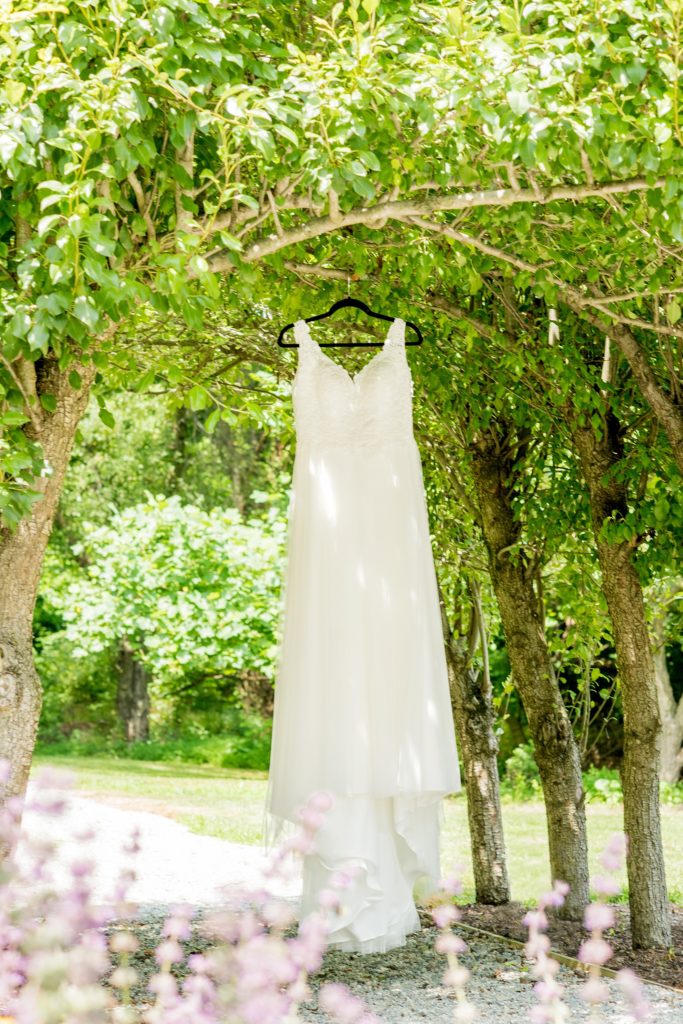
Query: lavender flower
x,y
456,975
56,964
550,1008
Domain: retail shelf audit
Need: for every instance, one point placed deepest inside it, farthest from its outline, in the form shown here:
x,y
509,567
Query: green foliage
x,y
146,149
521,781
195,593
604,786
79,694
244,742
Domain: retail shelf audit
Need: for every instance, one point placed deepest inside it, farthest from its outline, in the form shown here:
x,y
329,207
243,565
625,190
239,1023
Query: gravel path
x,y
403,985
173,864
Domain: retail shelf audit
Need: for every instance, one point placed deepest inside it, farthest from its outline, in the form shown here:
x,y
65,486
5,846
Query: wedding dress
x,y
362,706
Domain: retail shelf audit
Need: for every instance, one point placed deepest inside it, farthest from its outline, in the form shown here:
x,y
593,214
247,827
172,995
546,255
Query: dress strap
x,y
396,335
303,336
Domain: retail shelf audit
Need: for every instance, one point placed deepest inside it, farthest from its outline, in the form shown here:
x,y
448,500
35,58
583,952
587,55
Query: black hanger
x,y
342,304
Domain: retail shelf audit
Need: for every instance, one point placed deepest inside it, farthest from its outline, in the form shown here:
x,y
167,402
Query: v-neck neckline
x,y
352,378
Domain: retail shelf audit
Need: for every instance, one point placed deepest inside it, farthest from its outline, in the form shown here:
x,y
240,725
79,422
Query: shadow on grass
x,y
130,766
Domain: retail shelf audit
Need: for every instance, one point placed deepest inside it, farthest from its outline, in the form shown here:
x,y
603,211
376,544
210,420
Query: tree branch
x,y
407,208
24,377
185,157
143,205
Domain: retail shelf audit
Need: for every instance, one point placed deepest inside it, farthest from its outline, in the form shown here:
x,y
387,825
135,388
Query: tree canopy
x,y
150,151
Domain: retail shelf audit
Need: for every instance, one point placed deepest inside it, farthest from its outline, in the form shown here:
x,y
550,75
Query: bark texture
x,y
473,712
670,710
492,460
132,696
650,916
21,556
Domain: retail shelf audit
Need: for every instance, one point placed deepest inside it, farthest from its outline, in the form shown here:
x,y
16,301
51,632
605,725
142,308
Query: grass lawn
x,y
228,803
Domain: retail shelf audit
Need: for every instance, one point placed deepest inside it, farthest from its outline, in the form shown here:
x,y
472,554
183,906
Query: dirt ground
x,y
664,966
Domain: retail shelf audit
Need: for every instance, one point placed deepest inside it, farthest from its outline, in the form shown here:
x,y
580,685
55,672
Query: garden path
x,y
404,985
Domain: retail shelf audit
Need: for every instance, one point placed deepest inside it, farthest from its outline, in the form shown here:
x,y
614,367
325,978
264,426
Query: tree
x,y
473,713
189,595
147,150
670,704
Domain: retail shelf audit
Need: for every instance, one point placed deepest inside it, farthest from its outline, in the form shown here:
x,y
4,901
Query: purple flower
x,y
598,916
445,915
277,913
269,1007
535,919
328,899
606,886
322,800
595,951
451,884
450,943
311,818
177,925
634,993
456,976
337,1000
537,945
548,989
168,952
594,991
342,879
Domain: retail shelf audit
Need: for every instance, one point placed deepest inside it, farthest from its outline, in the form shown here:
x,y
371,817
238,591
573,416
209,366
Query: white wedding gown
x,y
362,705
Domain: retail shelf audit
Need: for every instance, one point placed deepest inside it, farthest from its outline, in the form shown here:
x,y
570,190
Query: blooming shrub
x,y
56,965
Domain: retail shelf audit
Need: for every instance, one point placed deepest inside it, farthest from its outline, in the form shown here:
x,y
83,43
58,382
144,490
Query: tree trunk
x,y
665,406
671,714
650,918
670,710
132,696
471,697
523,622
21,556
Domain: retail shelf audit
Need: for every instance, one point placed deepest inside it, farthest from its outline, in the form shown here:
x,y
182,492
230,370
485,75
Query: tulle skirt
x,y
362,706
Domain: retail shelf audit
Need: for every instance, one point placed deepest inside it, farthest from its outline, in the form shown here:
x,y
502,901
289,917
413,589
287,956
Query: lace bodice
x,y
372,407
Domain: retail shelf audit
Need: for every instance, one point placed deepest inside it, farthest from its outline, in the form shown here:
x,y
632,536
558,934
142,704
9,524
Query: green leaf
x,y
286,133
48,402
107,417
38,337
14,92
85,311
635,72
673,311
13,417
20,323
519,101
75,380
370,160
100,359
662,133
508,20
198,398
363,188
211,421
198,264
45,223
230,242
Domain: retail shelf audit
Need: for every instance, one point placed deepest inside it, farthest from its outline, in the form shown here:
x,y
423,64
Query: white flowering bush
x,y
58,967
